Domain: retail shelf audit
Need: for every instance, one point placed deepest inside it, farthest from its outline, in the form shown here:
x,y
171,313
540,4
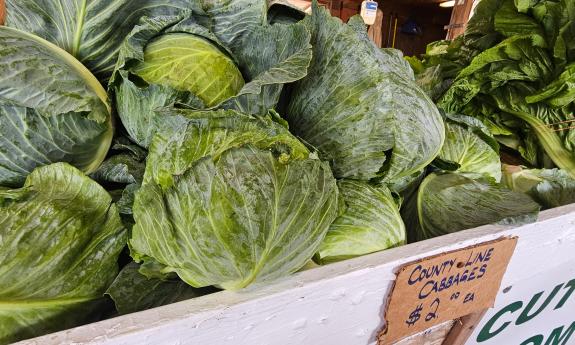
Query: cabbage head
x,y
451,202
52,109
230,199
61,236
549,187
190,63
206,61
360,106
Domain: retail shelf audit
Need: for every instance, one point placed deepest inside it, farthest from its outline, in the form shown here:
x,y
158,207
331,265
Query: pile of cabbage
x,y
154,151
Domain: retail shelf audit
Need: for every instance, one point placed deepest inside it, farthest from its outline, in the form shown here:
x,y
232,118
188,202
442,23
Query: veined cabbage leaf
x,y
370,223
90,30
132,291
469,148
450,202
229,199
360,107
188,62
52,109
60,237
549,187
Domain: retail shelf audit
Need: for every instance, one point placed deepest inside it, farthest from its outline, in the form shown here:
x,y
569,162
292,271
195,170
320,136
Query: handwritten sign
x,y
445,287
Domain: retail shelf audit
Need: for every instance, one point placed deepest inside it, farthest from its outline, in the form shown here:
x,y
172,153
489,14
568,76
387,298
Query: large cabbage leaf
x,y
469,148
450,202
371,222
132,291
549,187
360,108
229,200
52,109
60,239
184,61
91,30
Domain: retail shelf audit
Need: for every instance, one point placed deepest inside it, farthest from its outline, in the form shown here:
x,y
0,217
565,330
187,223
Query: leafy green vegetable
x,y
193,63
122,174
370,223
61,236
450,202
51,109
132,291
469,148
360,107
229,199
513,70
92,31
179,61
549,187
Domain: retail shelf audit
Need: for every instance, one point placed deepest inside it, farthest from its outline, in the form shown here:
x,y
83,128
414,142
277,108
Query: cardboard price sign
x,y
445,287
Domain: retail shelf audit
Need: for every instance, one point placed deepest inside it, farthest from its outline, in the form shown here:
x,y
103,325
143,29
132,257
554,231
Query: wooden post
x,y
463,328
335,8
459,18
2,11
375,31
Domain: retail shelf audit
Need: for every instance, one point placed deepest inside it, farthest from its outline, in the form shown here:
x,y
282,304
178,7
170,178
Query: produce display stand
x,y
343,303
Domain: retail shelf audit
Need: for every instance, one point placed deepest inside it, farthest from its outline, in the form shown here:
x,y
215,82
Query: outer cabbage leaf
x,y
452,202
228,210
132,291
61,237
268,57
193,135
549,187
371,223
360,108
469,148
91,30
122,174
51,109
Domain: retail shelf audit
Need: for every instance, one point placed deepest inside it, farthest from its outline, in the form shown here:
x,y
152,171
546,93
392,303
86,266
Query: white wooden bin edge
x,y
233,318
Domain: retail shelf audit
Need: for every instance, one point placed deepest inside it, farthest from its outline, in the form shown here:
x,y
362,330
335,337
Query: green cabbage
x,y
52,109
229,199
371,222
549,187
450,202
60,240
206,61
360,106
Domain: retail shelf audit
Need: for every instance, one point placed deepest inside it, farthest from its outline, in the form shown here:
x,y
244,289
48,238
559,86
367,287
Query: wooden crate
x,y
342,303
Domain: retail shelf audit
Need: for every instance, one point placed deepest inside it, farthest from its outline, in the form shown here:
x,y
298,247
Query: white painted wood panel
x,y
338,304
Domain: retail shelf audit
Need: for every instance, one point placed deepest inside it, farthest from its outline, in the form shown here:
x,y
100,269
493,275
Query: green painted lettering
x,y
558,337
525,316
571,286
486,332
534,340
